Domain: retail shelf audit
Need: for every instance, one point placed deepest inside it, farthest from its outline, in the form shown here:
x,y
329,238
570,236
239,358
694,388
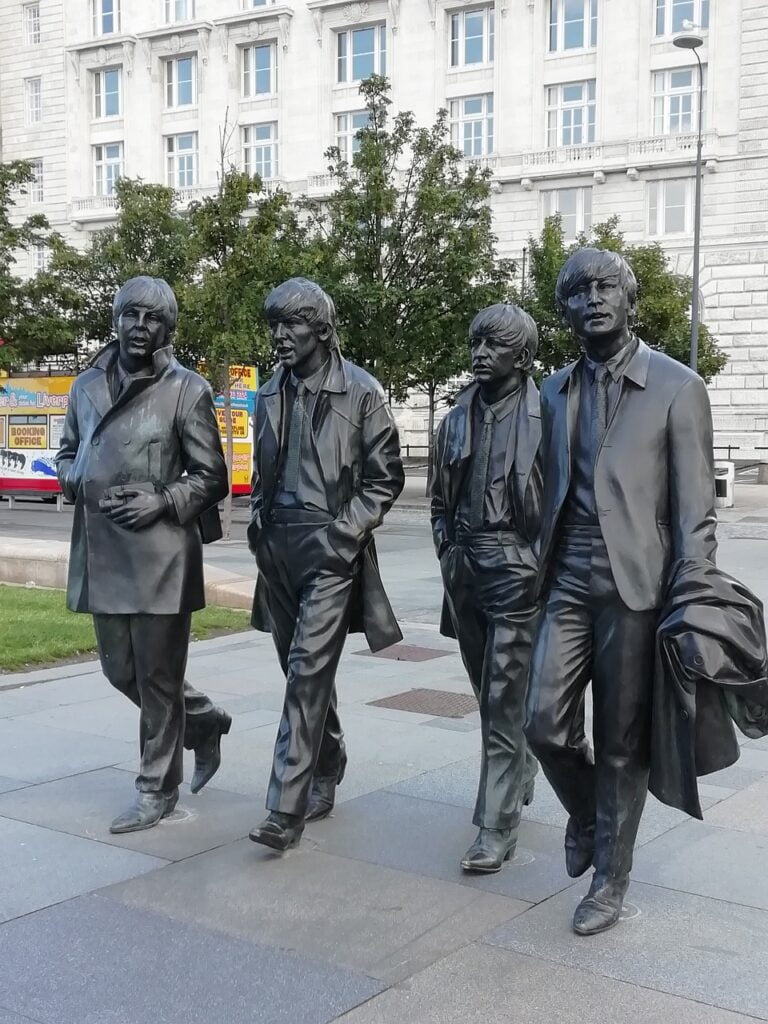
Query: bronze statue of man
x,y
326,470
486,497
628,490
141,459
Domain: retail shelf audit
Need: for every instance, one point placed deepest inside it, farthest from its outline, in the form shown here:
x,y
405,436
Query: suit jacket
x,y
453,457
711,667
654,472
356,444
161,431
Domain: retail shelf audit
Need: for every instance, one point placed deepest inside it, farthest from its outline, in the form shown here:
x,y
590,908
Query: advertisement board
x,y
244,384
32,411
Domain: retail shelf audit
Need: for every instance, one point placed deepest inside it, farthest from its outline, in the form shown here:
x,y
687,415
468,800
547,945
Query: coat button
x,y
95,442
684,714
698,660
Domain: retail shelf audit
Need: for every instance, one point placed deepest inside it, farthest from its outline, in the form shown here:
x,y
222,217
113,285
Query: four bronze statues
x,y
575,535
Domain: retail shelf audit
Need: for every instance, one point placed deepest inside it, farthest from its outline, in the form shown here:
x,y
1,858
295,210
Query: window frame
x,y
171,82
103,183
590,22
587,105
41,257
249,72
457,20
33,105
99,93
550,206
98,16
171,17
657,207
32,25
667,94
345,138
248,148
172,159
701,11
459,119
380,51
37,185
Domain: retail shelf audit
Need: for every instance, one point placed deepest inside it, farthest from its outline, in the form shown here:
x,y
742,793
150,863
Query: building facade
x,y
583,107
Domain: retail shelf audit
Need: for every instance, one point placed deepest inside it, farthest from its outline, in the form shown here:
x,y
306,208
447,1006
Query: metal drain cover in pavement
x,y
406,652
440,703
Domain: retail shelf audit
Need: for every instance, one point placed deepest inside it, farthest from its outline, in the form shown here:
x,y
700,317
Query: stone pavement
x,y
370,921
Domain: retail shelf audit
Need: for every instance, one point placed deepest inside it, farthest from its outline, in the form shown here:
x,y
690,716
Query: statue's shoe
x,y
147,810
489,851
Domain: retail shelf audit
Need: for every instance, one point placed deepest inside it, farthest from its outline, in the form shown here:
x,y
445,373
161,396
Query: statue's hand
x,y
132,508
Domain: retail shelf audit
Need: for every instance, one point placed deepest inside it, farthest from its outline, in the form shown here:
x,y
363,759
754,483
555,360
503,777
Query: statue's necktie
x,y
600,407
295,434
480,474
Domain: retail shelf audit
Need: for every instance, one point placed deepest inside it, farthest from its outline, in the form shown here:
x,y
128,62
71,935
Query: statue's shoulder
x,y
552,384
358,379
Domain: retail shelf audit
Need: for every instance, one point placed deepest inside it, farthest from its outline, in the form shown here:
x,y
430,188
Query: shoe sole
x,y
143,828
265,839
595,931
223,731
472,869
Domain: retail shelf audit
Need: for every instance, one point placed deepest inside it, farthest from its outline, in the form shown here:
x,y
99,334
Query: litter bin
x,y
725,477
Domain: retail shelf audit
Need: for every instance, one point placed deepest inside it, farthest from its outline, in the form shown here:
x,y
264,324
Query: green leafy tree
x,y
15,236
664,298
405,246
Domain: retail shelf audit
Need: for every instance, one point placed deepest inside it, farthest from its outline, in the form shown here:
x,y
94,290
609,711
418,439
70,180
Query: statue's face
x,y
599,308
495,359
141,331
295,341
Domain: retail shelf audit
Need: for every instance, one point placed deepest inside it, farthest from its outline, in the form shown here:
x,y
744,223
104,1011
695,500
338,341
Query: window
x,y
181,154
247,4
571,114
179,10
106,93
572,24
669,206
574,206
347,127
260,70
33,100
676,101
677,15
360,53
40,257
36,185
472,38
180,90
107,167
106,17
31,24
260,150
472,125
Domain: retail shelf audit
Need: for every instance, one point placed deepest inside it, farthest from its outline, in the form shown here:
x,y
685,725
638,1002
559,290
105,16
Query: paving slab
x,y
710,861
481,984
41,867
746,811
93,960
84,805
6,1017
702,949
40,753
113,717
429,838
738,776
385,923
6,785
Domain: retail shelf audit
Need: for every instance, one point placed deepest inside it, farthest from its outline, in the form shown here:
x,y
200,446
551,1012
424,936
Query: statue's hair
x,y
509,324
585,265
300,297
152,292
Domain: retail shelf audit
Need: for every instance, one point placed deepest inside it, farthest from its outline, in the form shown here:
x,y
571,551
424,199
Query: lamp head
x,y
688,41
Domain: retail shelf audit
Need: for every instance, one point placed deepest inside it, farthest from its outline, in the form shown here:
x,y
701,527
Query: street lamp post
x,y
688,41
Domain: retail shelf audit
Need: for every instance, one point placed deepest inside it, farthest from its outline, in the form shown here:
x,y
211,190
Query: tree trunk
x,y
431,434
226,522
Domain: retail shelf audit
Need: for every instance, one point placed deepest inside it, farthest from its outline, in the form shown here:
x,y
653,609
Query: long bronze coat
x,y
356,443
162,431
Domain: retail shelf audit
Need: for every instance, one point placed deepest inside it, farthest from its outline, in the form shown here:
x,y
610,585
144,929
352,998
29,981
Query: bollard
x,y
725,478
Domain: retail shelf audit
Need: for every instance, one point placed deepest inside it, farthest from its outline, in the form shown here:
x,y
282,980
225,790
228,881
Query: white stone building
x,y
581,106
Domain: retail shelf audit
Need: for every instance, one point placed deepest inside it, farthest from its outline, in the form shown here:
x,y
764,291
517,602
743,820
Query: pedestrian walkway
x,y
370,921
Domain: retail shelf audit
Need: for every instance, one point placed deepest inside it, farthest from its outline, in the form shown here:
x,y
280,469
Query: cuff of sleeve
x,y
170,508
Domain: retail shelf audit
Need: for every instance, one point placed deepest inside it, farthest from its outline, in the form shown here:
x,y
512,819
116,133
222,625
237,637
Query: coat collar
x,y
335,379
98,387
106,357
636,370
466,397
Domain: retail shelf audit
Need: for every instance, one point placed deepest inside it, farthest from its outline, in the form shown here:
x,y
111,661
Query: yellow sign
x,y
28,432
242,378
241,465
239,422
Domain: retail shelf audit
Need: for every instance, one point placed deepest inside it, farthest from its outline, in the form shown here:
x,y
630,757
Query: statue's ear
x,y
324,333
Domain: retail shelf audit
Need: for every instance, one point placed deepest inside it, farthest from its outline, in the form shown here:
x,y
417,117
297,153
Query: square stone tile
x,y
745,811
6,1017
716,862
112,717
41,867
736,777
39,753
84,805
92,960
754,759
429,838
481,984
696,948
387,924
6,785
